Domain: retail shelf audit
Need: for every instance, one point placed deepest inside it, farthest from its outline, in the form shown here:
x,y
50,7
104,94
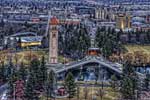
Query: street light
x,y
14,94
102,79
91,92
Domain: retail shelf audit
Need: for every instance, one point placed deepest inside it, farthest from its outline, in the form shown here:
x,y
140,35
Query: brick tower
x,y
53,41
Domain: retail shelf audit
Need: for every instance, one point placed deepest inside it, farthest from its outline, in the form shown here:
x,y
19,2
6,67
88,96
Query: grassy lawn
x,y
26,56
92,91
142,48
23,56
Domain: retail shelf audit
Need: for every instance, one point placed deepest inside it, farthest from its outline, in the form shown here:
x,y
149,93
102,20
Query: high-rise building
x,y
53,39
104,14
100,13
123,21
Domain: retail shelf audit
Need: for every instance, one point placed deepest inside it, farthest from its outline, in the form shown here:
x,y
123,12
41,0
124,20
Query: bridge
x,y
105,67
89,68
91,59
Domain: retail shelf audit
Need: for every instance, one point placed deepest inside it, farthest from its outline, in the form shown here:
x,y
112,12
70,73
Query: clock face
x,y
54,35
54,28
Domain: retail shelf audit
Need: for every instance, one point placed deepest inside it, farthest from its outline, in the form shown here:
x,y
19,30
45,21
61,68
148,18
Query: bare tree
x,y
86,92
78,92
100,93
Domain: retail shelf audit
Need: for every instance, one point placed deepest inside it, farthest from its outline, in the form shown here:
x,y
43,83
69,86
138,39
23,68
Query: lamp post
x,y
102,91
14,94
103,78
91,92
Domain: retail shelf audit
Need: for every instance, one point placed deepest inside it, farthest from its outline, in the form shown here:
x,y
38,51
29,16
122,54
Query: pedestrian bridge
x,y
90,59
100,66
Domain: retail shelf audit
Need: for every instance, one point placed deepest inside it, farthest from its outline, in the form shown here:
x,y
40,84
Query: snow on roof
x,y
31,39
24,33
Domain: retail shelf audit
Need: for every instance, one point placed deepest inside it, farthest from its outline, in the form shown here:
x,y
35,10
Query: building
x,y
84,10
70,21
31,41
104,14
23,39
123,21
100,13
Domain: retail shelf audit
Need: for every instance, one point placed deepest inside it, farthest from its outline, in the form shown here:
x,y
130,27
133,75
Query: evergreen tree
x,y
11,83
147,82
107,48
51,82
34,69
2,73
19,43
148,35
22,72
126,89
108,41
27,25
34,66
12,76
42,72
70,85
75,41
83,40
9,69
129,82
100,37
30,93
45,42
2,23
41,77
11,30
114,82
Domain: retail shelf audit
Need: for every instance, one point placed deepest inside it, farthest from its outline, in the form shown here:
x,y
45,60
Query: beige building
x,y
123,21
104,14
100,13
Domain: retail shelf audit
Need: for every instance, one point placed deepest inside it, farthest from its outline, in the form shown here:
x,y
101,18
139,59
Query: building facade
x,y
123,21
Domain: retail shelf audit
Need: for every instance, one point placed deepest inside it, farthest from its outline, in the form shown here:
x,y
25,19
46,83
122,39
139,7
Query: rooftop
x,y
54,21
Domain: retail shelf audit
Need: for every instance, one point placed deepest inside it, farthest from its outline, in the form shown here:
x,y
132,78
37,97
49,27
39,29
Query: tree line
x,y
29,82
131,85
108,41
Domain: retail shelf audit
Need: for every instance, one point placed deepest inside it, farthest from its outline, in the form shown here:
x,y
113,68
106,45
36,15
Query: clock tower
x,y
53,41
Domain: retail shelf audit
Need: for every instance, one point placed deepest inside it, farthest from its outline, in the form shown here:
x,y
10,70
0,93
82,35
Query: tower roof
x,y
54,21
